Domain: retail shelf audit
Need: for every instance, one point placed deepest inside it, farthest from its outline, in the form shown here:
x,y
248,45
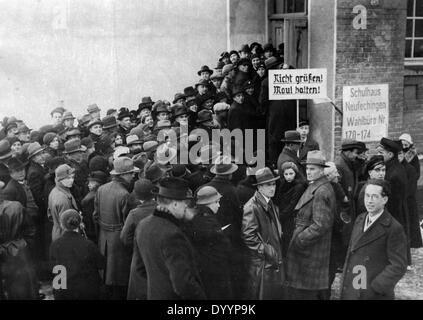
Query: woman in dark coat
x,y
211,245
80,257
290,191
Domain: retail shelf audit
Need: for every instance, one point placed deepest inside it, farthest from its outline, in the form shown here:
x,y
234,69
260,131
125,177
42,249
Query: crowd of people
x,y
105,199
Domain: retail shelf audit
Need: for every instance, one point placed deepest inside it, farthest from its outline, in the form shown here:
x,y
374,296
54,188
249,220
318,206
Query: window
x,y
414,30
290,6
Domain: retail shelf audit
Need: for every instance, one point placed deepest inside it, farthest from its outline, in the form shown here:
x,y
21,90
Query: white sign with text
x,y
292,84
366,112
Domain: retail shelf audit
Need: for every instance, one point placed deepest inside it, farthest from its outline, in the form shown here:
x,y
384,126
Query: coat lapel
x,y
376,230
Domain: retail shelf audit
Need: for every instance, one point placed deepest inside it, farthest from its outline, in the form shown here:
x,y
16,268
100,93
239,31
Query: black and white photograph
x,y
225,151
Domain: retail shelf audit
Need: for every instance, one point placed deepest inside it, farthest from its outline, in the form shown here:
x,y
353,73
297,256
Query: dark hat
x,y
68,116
143,189
245,48
206,195
23,128
94,122
98,176
34,135
362,146
12,140
255,55
233,52
57,110
264,175
123,165
180,110
390,145
224,54
87,142
48,137
349,144
109,122
110,112
190,92
178,171
146,101
203,82
178,96
220,95
261,65
154,173
220,64
303,123
227,68
53,163
248,84
98,163
174,188
244,61
268,47
85,119
161,108
205,69
272,62
236,90
292,136
204,116
93,108
70,219
374,161
124,113
15,164
34,148
317,158
11,125
203,98
72,146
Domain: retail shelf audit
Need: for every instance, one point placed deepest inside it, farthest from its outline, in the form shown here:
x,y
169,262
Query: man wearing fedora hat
x,y
205,72
289,152
211,244
262,234
164,248
137,288
68,120
111,207
308,253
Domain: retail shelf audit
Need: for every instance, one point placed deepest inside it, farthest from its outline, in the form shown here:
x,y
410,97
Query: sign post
x,y
365,112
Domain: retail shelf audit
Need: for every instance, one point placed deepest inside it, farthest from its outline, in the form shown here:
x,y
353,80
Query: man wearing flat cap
x,y
165,250
262,234
396,175
111,207
307,268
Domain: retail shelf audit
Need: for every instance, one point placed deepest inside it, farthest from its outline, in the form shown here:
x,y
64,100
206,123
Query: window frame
x,y
274,15
413,61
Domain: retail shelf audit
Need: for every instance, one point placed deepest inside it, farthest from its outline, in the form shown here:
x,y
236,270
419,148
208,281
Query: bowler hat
x,y
178,171
15,164
93,108
98,176
206,195
93,123
190,92
264,175
178,96
174,188
72,146
124,113
68,116
34,148
317,158
292,136
154,173
123,165
390,145
180,110
272,62
63,171
143,189
109,122
373,162
204,116
205,69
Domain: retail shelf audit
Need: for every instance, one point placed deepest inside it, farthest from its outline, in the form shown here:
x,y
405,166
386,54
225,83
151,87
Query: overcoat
x,y
308,145
262,234
169,259
309,250
348,179
382,251
111,207
287,155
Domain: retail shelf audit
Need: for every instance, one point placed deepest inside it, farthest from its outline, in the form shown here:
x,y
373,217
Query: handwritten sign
x,y
366,112
292,84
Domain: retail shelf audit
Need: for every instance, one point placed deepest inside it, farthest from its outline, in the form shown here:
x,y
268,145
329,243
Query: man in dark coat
x,y
308,143
289,152
111,209
230,215
262,234
377,254
397,177
309,251
164,248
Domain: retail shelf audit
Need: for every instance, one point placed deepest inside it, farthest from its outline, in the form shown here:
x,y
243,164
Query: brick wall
x,y
372,56
413,111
